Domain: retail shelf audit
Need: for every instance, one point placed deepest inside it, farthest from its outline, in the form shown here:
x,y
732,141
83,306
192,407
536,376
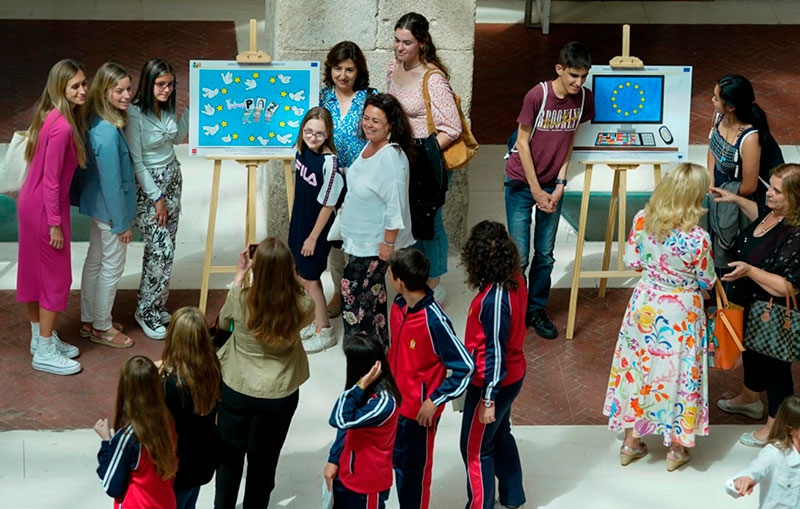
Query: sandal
x,y
676,459
628,453
86,329
112,338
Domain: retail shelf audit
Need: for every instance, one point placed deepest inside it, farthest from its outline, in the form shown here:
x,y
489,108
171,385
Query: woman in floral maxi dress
x,y
658,382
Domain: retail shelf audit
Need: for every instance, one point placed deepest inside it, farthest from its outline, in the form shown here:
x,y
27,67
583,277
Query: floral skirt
x,y
364,305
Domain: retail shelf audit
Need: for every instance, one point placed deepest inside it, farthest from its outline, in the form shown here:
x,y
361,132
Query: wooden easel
x,y
251,163
618,201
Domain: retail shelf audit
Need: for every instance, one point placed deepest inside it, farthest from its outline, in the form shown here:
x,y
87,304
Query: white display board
x,y
640,115
249,110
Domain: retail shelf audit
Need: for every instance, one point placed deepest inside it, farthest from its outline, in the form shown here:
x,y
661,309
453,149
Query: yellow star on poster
x,y
255,75
219,108
282,123
272,80
283,93
235,136
237,79
224,90
252,138
286,108
224,123
271,135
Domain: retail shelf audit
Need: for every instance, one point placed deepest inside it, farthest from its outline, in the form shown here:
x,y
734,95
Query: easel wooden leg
x,y
287,173
576,269
212,221
612,216
622,222
250,224
657,173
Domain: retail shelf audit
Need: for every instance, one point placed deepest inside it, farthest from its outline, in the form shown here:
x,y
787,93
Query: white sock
x,y
34,329
44,342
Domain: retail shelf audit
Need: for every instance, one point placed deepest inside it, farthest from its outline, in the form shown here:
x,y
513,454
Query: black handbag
x,y
774,329
219,336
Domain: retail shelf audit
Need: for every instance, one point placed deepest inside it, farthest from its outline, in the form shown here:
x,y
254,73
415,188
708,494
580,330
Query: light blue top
x,y
346,128
108,189
151,141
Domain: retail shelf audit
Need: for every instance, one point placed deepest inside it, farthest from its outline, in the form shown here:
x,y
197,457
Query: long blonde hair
x,y
786,420
105,79
54,97
677,201
790,173
189,355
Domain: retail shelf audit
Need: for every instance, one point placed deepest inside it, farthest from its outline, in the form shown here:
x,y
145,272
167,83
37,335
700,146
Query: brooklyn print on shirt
x,y
560,120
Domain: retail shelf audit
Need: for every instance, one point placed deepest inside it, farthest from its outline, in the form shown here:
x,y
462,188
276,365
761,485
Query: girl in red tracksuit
x,y
359,469
494,336
138,464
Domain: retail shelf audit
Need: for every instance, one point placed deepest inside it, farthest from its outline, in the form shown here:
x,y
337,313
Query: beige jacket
x,y
254,369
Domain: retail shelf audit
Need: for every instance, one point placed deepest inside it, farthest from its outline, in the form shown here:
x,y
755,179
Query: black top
x,y
198,438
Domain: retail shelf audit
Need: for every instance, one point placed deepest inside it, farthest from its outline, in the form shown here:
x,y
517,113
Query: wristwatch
x,y
563,182
488,403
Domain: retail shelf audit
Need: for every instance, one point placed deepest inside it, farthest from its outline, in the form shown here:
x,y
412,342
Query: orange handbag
x,y
726,327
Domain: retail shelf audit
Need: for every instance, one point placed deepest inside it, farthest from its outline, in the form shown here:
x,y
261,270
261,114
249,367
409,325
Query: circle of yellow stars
x,y
628,88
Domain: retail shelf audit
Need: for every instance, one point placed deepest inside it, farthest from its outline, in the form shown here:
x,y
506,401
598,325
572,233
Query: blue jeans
x,y
490,451
435,250
519,207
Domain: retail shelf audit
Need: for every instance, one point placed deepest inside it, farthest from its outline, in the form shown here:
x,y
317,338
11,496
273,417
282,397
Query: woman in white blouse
x,y
375,215
152,132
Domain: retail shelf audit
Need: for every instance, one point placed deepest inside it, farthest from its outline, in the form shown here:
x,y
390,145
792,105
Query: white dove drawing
x,y
293,123
262,140
298,96
227,77
250,84
210,130
297,111
226,139
284,79
287,139
209,93
209,110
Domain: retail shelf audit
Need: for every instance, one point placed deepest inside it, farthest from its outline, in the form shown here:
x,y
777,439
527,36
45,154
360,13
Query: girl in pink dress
x,y
44,272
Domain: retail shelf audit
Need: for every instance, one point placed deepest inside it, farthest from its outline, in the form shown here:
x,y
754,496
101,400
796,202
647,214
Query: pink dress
x,y
44,274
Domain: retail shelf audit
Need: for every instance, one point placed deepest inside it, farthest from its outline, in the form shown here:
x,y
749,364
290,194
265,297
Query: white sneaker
x,y
308,331
65,349
151,328
440,294
164,316
46,358
320,340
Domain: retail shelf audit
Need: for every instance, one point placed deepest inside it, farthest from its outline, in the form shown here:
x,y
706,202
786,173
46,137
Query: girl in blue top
x,y
318,185
346,90
108,196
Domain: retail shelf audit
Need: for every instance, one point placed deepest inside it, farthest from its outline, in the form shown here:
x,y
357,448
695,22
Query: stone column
x,y
306,30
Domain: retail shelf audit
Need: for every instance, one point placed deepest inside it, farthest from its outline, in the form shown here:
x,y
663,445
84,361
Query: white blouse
x,y
376,200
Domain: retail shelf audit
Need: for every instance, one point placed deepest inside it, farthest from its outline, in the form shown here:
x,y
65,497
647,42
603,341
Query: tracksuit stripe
x,y
117,457
474,467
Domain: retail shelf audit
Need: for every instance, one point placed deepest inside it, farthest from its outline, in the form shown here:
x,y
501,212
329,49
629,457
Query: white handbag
x,y
14,166
335,233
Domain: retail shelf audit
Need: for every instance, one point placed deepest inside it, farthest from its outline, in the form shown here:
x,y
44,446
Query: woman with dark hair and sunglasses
x,y
346,89
152,131
375,215
415,55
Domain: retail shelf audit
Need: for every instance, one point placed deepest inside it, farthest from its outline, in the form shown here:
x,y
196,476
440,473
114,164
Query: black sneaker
x,y
542,325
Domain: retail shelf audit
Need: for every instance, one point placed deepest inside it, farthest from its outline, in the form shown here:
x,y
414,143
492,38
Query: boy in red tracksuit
x,y
423,347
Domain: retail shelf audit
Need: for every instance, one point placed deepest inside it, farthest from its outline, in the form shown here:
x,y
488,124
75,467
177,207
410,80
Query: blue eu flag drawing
x,y
628,99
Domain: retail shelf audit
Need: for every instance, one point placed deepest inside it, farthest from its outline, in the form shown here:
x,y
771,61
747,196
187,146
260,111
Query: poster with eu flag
x,y
628,98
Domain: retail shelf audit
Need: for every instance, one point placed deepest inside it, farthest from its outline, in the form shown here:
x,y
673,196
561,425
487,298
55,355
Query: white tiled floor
x,y
566,467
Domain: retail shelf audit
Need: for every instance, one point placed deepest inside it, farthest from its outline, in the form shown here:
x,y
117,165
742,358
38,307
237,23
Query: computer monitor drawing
x,y
628,100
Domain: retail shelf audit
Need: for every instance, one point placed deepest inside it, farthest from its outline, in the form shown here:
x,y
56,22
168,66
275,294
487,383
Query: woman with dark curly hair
x,y
375,215
494,336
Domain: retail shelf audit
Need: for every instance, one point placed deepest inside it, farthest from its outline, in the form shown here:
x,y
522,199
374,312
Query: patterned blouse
x,y
443,105
346,128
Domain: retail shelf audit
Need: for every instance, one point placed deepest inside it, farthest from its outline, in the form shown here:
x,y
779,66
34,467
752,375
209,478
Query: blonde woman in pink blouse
x,y
414,55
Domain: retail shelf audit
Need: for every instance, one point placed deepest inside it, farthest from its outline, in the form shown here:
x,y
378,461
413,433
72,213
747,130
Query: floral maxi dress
x,y
659,381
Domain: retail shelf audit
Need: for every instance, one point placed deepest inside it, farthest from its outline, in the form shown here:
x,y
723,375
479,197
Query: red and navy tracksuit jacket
x,y
365,440
423,348
129,475
494,336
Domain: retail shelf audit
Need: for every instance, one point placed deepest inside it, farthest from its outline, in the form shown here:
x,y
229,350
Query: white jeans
x,y
105,263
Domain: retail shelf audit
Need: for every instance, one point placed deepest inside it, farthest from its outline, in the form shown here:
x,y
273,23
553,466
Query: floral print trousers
x,y
159,241
364,297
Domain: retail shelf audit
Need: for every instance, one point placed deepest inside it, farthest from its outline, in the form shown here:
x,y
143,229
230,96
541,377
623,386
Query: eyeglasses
x,y
308,133
163,86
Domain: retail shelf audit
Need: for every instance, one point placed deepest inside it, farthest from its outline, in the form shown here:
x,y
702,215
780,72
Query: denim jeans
x,y
435,250
519,207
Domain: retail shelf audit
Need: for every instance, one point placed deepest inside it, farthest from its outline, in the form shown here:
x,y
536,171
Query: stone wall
x,y
307,29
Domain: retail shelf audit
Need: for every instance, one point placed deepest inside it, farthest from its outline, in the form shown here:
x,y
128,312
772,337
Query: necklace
x,y
763,228
419,63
